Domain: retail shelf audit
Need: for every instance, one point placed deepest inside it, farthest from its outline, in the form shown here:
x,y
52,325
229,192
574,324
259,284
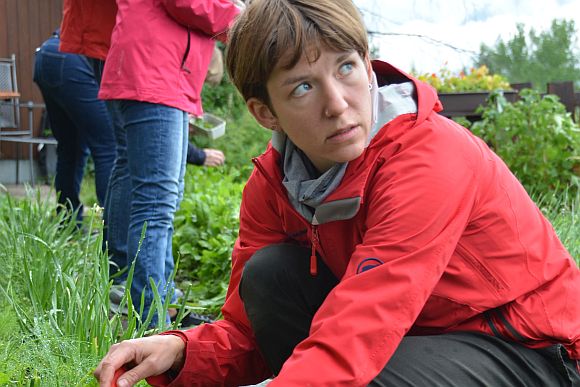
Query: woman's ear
x,y
262,113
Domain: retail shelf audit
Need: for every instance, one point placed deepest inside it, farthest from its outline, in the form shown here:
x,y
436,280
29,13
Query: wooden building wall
x,y
24,25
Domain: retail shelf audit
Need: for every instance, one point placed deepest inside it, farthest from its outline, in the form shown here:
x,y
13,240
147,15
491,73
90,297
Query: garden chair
x,y
10,109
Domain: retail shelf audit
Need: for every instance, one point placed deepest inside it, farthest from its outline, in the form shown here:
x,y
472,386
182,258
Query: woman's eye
x,y
301,89
346,68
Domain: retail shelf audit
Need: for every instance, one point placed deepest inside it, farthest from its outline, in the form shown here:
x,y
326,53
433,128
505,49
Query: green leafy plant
x,y
243,140
536,138
223,100
206,227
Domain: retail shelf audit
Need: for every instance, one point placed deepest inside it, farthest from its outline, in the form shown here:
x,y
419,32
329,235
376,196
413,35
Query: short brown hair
x,y
269,30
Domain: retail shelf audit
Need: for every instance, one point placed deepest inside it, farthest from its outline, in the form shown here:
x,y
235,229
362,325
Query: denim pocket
x,y
51,70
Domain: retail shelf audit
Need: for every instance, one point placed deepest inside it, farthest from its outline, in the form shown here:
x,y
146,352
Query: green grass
x,y
54,285
563,211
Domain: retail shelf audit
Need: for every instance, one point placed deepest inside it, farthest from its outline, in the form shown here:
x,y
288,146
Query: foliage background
x,y
537,57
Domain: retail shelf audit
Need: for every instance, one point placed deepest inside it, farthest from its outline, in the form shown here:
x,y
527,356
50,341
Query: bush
x,y
536,138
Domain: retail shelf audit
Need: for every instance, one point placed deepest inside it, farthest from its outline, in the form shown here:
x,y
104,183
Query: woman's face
x,y
324,107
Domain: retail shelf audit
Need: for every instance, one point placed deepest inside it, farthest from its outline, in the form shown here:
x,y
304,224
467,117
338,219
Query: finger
x,y
108,374
134,375
117,375
119,355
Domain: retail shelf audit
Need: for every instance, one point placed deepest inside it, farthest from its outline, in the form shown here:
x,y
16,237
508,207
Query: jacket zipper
x,y
314,238
480,268
315,243
186,54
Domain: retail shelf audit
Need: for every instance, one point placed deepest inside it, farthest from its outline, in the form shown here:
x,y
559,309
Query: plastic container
x,y
209,125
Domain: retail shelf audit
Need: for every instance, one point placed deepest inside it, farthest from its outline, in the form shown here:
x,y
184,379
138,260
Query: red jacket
x,y
454,242
161,49
86,27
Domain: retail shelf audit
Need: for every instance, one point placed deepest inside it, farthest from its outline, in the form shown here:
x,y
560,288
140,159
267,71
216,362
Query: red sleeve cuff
x,y
168,377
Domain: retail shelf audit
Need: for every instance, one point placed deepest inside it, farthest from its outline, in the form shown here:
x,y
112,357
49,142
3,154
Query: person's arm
x,y
225,352
211,17
418,208
221,353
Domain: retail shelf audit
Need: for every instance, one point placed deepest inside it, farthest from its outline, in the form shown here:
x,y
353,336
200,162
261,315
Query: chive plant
x,y
55,281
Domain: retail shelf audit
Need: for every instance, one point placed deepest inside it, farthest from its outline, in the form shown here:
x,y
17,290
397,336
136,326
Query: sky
x,y
451,31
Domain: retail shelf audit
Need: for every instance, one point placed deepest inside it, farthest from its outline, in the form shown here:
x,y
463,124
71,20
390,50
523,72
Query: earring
x,y
370,86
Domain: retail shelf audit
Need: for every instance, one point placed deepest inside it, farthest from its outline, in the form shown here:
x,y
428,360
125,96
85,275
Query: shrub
x,y
536,138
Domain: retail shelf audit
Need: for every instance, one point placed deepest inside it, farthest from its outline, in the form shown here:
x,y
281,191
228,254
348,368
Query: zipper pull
x,y
314,243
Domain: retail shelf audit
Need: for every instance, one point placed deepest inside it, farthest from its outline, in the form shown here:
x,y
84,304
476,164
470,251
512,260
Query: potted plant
x,y
463,93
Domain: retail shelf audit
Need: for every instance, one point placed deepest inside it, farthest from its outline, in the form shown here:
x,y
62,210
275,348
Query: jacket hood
x,y
426,95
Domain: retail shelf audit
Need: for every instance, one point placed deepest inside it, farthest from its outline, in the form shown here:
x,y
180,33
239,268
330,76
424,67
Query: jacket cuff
x,y
169,378
202,353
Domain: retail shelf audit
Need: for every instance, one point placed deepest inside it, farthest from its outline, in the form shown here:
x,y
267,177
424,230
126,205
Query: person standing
x,y
153,74
79,121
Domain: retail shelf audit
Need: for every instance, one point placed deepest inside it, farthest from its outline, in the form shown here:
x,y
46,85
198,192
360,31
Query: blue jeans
x,y
146,186
79,121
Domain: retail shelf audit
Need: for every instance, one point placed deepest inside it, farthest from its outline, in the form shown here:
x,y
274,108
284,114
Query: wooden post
x,y
565,91
521,86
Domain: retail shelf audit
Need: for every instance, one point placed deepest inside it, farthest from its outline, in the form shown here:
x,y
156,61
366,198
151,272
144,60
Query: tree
x,y
540,58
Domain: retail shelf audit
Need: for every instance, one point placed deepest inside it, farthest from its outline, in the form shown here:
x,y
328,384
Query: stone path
x,y
20,190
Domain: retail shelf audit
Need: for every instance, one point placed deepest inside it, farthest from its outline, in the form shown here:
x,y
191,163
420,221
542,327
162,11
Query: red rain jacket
x,y
454,242
86,27
161,49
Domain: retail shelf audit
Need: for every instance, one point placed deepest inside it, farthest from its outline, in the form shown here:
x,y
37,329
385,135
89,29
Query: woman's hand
x,y
151,356
213,157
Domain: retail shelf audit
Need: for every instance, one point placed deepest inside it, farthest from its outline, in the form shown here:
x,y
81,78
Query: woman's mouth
x,y
343,134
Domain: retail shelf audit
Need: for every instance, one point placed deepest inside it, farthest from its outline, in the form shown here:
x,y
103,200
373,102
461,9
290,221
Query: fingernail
x,y
122,383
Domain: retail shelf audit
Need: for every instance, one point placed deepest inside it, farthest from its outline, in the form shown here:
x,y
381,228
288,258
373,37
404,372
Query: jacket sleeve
x,y
212,17
225,352
418,206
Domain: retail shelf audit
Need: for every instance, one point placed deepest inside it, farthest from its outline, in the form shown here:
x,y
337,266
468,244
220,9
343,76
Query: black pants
x,y
280,295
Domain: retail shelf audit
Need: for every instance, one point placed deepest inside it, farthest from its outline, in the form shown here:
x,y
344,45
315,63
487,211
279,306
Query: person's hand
x,y
213,157
151,356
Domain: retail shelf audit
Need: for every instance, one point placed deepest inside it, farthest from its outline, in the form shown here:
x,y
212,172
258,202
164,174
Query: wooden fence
x,y
24,25
466,104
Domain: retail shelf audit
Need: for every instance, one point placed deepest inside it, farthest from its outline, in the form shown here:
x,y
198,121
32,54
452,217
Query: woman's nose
x,y
335,103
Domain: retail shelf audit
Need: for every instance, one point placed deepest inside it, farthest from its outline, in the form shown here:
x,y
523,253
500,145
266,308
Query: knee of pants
x,y
272,267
